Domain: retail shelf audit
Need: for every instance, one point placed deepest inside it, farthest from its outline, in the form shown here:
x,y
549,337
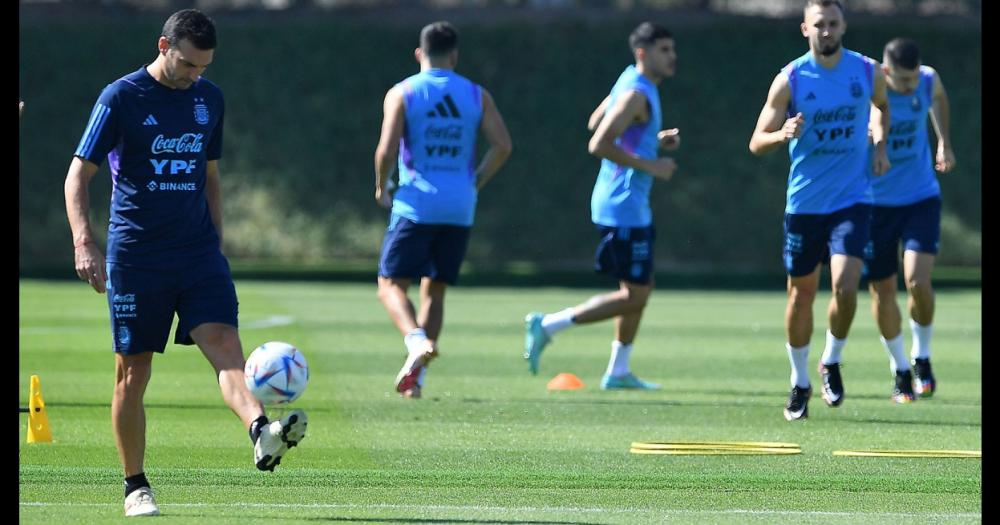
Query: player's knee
x,y
917,286
133,377
802,296
388,287
883,291
636,297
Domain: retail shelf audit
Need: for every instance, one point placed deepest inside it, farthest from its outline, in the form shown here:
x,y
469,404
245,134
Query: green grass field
x,y
488,443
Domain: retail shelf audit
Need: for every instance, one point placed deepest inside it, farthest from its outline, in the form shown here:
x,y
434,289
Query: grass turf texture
x,y
488,443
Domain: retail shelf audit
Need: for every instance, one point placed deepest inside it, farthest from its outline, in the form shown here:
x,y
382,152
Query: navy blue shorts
x,y
917,226
626,253
811,239
411,250
142,303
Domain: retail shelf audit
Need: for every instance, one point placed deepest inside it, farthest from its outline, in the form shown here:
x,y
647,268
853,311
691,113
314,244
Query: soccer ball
x,y
276,373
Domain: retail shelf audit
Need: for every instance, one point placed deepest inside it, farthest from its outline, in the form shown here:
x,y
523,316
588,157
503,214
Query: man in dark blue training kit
x,y
161,130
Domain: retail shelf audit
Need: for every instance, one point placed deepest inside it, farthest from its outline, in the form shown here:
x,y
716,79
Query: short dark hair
x,y
193,25
903,52
824,3
647,33
438,39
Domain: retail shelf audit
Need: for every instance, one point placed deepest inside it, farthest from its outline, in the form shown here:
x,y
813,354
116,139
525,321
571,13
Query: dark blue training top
x,y
157,141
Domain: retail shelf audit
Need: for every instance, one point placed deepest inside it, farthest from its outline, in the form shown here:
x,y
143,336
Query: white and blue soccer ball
x,y
276,373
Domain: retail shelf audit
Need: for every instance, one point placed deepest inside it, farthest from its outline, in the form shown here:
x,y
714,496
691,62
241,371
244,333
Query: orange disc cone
x,y
565,381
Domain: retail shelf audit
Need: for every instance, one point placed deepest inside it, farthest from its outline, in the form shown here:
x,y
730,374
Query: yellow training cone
x,y
38,419
565,381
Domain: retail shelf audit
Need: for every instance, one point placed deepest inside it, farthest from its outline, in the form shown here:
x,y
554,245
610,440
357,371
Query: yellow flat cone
x,y
565,381
911,453
667,445
38,419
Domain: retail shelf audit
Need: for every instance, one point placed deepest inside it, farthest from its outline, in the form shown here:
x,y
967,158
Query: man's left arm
x,y
880,128
495,130
940,115
213,194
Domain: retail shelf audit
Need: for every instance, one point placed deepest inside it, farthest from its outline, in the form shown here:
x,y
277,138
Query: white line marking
x,y
466,508
268,322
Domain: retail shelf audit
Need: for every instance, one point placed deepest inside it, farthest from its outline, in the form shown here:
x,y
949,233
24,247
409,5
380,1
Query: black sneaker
x,y
833,386
798,403
903,393
924,385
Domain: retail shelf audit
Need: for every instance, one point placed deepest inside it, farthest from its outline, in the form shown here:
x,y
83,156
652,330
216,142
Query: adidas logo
x,y
150,121
451,111
811,96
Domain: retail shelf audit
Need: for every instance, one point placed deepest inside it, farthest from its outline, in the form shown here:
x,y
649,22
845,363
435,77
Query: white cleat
x,y
141,503
277,437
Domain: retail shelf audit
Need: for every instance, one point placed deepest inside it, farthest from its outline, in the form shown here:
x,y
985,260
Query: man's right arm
x,y
773,129
88,260
629,109
393,121
598,114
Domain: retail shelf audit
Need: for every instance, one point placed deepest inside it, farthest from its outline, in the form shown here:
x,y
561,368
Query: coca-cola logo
x,y
186,143
841,114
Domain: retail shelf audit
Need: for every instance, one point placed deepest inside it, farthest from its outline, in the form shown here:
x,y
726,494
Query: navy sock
x,y
132,483
256,427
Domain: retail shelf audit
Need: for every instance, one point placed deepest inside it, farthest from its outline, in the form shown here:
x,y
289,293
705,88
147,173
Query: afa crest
x,y
200,111
856,90
124,335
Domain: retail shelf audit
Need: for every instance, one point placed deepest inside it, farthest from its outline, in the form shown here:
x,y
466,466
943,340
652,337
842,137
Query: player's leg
x,y
920,244
625,253
140,304
885,310
619,372
447,252
917,275
220,344
849,232
881,267
406,254
802,253
128,415
392,292
207,316
431,316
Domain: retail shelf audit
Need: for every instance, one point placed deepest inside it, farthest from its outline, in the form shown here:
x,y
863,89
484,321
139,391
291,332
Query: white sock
x,y
416,340
799,358
618,365
557,322
834,347
921,340
897,356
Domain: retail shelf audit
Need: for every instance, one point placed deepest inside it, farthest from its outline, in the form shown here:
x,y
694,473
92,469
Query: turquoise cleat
x,y
535,340
626,382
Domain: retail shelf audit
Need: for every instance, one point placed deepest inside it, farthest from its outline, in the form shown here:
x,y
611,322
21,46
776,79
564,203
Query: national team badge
x,y
200,111
124,336
915,104
856,91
